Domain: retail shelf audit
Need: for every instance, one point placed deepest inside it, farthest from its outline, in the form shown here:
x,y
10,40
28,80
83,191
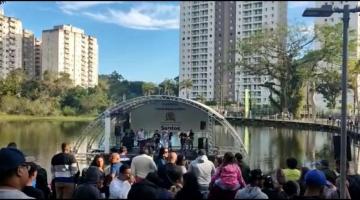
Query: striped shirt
x,y
64,167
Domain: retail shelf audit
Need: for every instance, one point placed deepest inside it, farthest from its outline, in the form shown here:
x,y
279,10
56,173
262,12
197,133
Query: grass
x,y
6,117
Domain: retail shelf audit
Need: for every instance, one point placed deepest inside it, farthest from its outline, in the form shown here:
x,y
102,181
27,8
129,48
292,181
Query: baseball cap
x,y
315,177
10,158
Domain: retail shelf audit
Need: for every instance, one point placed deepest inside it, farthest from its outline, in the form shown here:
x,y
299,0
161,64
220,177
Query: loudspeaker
x,y
202,125
337,142
117,130
202,143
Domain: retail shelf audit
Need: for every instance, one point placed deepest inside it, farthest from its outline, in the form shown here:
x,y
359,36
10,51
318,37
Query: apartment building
x,y
11,33
28,53
38,68
208,32
68,49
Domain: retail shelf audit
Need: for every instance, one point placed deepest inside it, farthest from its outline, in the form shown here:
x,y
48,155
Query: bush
x,y
69,111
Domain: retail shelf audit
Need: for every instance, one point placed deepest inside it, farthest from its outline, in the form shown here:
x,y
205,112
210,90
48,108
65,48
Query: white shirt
x,y
6,193
203,169
119,189
140,135
142,164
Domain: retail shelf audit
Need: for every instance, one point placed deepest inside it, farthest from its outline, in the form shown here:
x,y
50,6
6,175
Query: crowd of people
x,y
167,175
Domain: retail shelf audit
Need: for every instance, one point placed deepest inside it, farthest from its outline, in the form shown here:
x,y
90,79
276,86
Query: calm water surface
x,y
268,147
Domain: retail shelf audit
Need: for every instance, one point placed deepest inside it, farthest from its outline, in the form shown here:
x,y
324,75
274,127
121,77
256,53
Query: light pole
x,y
327,11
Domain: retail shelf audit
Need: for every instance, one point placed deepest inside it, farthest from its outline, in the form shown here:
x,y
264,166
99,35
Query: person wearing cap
x,y
64,170
203,169
315,181
14,174
90,188
329,174
253,190
30,188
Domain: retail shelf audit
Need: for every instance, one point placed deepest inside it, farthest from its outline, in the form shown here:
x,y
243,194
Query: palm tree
x,y
186,84
148,88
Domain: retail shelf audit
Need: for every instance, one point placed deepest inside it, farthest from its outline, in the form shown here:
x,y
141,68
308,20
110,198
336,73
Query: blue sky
x,y
140,40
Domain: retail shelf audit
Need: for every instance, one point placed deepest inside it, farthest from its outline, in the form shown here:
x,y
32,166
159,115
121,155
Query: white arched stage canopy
x,y
158,112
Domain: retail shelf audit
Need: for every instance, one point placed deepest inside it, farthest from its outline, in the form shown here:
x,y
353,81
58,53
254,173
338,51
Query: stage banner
x,y
165,115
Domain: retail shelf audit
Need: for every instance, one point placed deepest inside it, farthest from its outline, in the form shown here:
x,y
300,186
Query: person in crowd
x,y
142,164
291,189
120,186
315,181
160,161
115,164
126,140
203,169
183,137
14,174
42,182
64,169
181,162
280,177
140,137
191,188
227,179
352,182
271,191
12,145
123,155
329,174
175,176
301,181
165,139
90,189
99,162
30,188
253,190
291,172
191,139
156,138
169,140
165,172
218,161
132,137
149,188
245,169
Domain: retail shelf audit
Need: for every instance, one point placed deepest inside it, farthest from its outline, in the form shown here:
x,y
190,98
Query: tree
x,y
148,88
354,72
186,84
168,86
329,86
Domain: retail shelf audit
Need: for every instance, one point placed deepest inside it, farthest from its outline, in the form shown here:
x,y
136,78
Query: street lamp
x,y
327,11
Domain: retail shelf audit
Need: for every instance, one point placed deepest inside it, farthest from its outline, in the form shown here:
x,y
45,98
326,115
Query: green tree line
x,y
56,95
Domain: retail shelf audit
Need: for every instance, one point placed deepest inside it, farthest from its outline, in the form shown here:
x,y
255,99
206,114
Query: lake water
x,y
268,147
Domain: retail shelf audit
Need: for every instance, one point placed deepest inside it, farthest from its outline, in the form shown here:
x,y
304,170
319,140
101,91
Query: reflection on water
x,y
268,147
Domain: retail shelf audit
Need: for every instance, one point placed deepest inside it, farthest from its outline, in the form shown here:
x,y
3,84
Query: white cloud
x,y
70,7
146,16
300,4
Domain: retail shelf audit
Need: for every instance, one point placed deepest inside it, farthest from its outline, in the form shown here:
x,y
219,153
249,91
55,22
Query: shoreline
x,y
7,118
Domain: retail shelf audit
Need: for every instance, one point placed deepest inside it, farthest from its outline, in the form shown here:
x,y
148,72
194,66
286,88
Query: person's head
x,y
268,182
315,180
201,152
125,172
229,158
41,178
291,163
337,163
99,161
180,160
144,151
175,175
218,161
256,178
115,158
12,145
154,178
291,189
93,176
163,153
33,171
172,157
65,147
14,172
190,181
238,157
123,150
